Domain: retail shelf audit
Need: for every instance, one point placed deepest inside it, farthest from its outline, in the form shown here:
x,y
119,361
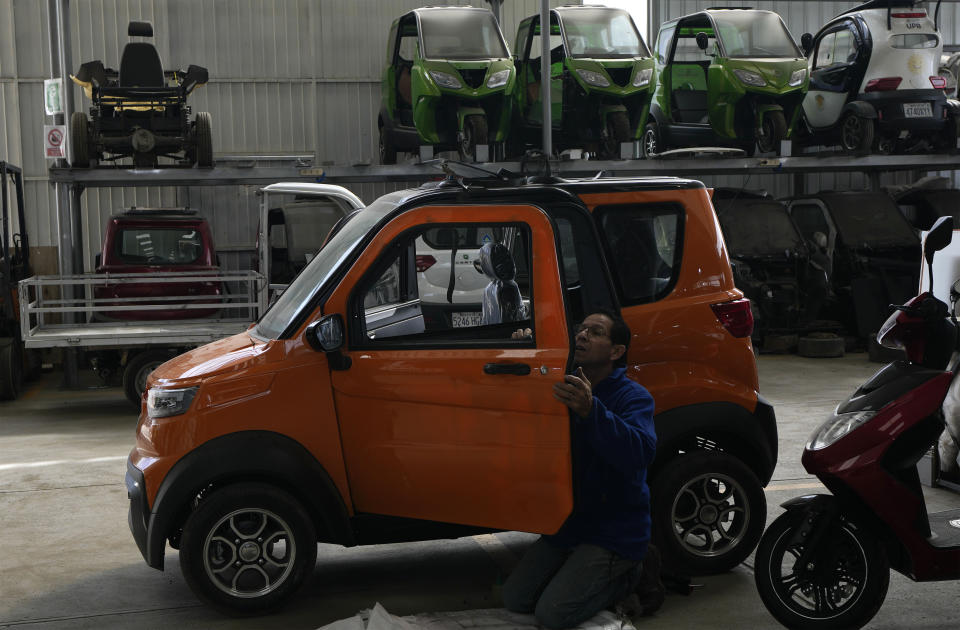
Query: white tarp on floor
x,y
487,619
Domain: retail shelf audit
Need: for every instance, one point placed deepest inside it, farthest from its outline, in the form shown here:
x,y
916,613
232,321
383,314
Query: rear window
x,y
467,237
159,246
914,40
644,245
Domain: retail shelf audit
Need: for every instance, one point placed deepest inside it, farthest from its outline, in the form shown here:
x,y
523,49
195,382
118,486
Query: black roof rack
x,y
146,212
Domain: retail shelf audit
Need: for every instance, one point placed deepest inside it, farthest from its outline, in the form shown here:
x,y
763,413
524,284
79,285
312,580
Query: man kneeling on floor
x,y
595,560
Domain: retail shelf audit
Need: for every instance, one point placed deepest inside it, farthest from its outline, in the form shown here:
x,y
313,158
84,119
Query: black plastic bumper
x,y
890,109
139,512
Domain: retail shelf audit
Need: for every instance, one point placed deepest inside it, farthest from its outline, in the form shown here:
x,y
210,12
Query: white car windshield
x,y
755,34
468,34
602,32
317,273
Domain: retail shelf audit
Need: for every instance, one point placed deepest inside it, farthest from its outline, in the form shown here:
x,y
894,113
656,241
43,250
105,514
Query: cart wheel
x,y
79,140
856,134
617,131
388,152
474,132
773,129
203,136
651,144
137,370
11,369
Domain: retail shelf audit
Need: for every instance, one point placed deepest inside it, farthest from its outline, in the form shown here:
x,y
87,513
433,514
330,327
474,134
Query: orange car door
x,y
449,424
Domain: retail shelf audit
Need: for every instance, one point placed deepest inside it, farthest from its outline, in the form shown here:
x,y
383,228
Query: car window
x,y
644,247
408,48
809,219
914,40
836,49
411,296
688,50
663,44
556,44
159,246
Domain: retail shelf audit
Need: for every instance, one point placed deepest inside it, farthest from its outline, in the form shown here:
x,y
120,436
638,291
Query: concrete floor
x,y
67,559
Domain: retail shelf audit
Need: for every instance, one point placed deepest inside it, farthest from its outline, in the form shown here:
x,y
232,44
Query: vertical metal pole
x,y
65,55
545,94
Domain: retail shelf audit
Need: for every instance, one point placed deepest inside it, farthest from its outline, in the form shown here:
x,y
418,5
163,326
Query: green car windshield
x,y
602,32
755,34
461,35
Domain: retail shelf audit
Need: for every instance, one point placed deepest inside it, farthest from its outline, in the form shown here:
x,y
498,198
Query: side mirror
x,y
806,43
326,334
938,237
703,40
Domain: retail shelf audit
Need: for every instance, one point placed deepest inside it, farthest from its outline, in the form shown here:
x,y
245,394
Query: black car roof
x,y
881,4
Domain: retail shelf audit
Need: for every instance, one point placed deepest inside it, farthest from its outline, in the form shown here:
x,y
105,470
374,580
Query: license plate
x,y
465,320
917,110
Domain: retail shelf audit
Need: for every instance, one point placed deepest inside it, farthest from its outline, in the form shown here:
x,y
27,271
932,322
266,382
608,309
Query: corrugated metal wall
x,y
800,16
286,76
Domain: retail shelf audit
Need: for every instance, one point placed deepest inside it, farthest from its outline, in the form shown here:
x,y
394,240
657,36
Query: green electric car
x,y
448,83
600,78
725,77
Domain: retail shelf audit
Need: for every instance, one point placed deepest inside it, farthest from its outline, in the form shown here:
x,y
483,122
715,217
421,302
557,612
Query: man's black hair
x,y
619,332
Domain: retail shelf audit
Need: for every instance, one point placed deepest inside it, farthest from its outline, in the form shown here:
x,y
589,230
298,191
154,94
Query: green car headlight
x,y
445,80
797,77
593,78
498,79
642,77
749,78
836,427
163,403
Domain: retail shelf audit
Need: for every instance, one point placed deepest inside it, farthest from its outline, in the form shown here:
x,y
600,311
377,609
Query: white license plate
x,y
465,320
917,110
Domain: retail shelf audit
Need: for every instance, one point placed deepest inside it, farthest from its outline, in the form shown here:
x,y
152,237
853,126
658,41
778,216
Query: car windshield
x,y
315,275
158,246
755,34
602,32
757,228
871,221
449,34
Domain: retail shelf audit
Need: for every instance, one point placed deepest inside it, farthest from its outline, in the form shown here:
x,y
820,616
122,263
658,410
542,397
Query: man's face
x,y
593,345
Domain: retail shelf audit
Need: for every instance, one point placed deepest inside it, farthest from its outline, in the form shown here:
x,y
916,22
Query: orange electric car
x,y
351,414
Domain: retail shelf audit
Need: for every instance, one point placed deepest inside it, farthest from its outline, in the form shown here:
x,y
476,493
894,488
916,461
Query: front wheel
x,y
80,140
247,548
856,134
845,594
772,130
203,136
651,144
617,131
474,133
708,512
388,152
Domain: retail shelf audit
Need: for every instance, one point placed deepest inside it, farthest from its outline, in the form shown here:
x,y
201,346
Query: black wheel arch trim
x,y
751,436
246,456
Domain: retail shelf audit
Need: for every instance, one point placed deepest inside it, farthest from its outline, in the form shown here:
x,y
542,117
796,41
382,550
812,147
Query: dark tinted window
x,y
757,228
159,246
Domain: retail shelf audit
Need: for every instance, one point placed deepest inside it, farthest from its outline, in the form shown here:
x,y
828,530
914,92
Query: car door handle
x,y
517,369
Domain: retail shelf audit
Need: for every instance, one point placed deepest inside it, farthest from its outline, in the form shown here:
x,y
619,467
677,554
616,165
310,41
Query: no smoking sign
x,y
53,136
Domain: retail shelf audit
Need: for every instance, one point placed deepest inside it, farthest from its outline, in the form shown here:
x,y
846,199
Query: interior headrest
x,y
497,263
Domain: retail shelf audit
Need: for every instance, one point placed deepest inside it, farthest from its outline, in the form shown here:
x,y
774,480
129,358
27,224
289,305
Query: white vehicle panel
x,y
914,65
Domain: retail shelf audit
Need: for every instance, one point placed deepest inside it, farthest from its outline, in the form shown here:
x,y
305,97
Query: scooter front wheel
x,y
845,593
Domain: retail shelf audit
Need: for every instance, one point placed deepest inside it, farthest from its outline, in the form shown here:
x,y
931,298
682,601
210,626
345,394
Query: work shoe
x,y
650,591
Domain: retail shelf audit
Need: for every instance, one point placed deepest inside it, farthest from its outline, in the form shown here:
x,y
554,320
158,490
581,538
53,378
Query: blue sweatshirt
x,y
612,449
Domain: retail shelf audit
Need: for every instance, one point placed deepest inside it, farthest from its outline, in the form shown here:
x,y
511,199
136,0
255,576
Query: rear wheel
x,y
856,134
203,136
137,370
474,133
616,132
651,144
708,512
773,129
247,548
845,594
79,140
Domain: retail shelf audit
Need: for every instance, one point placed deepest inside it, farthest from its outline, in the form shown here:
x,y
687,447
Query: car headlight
x,y
749,78
163,403
797,77
642,77
445,80
593,78
498,79
836,427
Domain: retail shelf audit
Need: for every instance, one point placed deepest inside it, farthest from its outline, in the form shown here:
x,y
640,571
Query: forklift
x,y
14,266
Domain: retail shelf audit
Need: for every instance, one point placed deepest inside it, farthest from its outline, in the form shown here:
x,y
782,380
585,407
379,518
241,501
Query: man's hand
x,y
522,333
575,392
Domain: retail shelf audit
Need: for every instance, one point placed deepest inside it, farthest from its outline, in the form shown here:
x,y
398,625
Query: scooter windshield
x,y
461,35
755,34
602,32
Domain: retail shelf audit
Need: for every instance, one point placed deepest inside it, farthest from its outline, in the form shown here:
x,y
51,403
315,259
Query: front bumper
x,y
138,515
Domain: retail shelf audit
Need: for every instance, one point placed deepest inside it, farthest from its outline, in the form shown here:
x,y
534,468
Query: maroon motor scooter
x,y
825,562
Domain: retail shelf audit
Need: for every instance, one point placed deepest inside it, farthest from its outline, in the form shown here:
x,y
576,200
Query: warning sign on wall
x,y
53,141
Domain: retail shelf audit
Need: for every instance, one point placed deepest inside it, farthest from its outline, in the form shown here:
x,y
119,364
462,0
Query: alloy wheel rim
x,y
710,515
249,553
852,131
650,142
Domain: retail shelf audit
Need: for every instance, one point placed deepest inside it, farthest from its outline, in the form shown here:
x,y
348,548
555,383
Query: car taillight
x,y
907,16
425,261
883,85
735,316
938,82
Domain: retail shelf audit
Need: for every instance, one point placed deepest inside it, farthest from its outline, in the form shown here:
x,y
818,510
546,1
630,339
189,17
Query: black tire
x,y
821,346
203,136
617,131
269,549
848,597
474,133
79,140
11,369
946,141
388,152
708,512
137,370
773,129
651,144
856,134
